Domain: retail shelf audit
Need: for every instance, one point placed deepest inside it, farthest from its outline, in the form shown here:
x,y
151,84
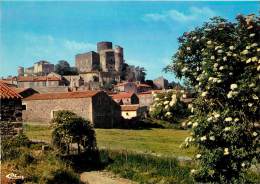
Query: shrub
x,y
168,106
69,128
10,148
220,60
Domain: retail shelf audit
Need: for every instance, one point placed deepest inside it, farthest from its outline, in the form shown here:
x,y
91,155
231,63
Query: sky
x,y
148,31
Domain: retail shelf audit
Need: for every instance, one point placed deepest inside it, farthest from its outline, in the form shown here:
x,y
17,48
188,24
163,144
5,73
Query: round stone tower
x,y
20,71
104,46
119,58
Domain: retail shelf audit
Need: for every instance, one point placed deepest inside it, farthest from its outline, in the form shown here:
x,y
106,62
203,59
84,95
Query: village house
x,y
10,111
129,87
24,92
38,81
143,88
161,83
96,106
124,98
133,111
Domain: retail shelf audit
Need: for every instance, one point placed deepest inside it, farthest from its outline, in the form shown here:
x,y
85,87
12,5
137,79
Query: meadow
x,y
156,141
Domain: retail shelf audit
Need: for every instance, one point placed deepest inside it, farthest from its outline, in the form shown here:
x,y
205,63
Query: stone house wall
x,y
99,109
106,112
145,99
42,110
11,110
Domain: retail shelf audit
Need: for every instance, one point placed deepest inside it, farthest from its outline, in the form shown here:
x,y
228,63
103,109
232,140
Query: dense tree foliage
x,y
68,128
221,61
63,68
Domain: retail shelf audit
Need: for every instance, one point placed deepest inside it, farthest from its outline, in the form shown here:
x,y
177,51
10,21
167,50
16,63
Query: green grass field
x,y
164,142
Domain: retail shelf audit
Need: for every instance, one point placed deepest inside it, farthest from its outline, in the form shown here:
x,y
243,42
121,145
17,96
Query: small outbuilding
x,y
125,98
133,111
96,106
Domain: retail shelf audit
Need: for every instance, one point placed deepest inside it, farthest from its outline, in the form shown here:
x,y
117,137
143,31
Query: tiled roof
x,y
67,95
129,107
37,79
19,90
124,83
6,92
122,95
143,85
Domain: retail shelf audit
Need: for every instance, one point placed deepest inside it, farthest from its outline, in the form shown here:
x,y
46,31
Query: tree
x,y
68,128
63,68
220,60
168,106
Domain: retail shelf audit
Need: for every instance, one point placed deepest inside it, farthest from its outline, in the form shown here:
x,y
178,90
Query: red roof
x,y
6,92
37,79
124,83
143,85
122,95
19,90
67,95
129,107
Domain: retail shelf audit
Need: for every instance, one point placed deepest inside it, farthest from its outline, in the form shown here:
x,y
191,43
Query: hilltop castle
x,y
103,66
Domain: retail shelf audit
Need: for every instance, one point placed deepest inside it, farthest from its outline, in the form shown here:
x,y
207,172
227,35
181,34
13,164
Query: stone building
x,y
125,98
11,104
38,81
133,111
129,87
25,92
96,106
103,66
39,68
10,112
161,83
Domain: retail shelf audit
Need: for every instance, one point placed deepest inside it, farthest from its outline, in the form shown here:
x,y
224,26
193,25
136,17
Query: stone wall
x,y
43,110
87,62
57,89
11,110
106,112
145,99
10,129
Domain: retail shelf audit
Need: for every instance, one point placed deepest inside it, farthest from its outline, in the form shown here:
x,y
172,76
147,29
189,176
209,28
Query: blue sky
x,y
148,31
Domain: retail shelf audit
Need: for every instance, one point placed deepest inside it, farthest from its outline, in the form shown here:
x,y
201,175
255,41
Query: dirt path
x,y
103,177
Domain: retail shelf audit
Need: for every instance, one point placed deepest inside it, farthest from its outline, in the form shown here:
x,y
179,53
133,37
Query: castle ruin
x,y
103,66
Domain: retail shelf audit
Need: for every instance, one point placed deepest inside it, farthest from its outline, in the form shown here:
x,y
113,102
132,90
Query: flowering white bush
x,y
223,67
168,106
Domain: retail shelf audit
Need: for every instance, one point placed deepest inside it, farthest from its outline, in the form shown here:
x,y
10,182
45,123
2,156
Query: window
x,y
127,114
24,107
54,113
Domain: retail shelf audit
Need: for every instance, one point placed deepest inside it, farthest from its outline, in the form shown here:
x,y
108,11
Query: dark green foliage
x,y
63,176
69,128
146,168
10,148
63,68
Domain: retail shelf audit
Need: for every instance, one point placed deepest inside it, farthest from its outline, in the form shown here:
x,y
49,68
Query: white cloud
x,y
73,45
194,14
50,48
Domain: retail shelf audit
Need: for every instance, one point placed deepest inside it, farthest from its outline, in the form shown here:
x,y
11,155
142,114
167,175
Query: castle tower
x,y
104,46
119,58
20,71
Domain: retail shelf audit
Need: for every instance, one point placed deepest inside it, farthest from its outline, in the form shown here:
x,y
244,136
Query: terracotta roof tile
x,y
19,90
122,95
143,85
67,95
129,107
6,92
37,79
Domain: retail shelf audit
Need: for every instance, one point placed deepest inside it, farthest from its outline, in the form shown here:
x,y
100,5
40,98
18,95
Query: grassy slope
x,y
158,141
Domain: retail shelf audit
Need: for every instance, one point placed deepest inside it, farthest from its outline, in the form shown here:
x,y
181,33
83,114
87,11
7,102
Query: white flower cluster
x,y
233,91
